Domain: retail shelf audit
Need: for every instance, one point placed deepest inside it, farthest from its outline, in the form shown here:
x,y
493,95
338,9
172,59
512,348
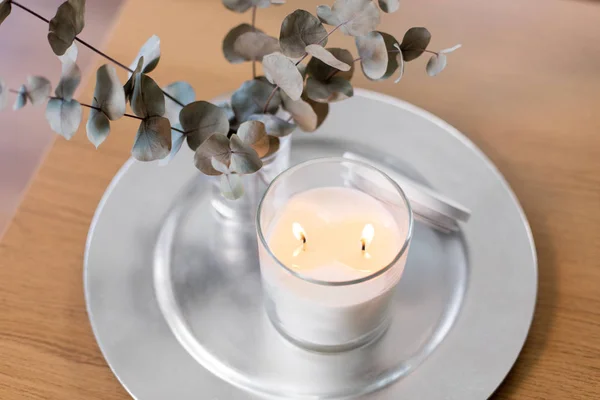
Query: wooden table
x,y
525,88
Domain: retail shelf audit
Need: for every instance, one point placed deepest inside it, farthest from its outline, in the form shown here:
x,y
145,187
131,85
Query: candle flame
x,y
299,232
367,236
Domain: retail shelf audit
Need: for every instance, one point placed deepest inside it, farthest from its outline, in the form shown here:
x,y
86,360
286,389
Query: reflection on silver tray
x,y
462,309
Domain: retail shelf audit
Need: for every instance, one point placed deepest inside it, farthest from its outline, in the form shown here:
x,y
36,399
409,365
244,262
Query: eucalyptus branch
x,y
125,115
266,108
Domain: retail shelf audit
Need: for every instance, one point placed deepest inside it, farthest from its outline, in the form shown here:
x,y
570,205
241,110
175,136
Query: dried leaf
x,y
336,89
21,99
373,54
390,46
389,6
4,10
414,43
37,89
231,186
255,45
219,166
3,94
79,14
274,144
97,127
216,146
244,159
451,49
274,126
254,134
201,120
69,81
153,139
321,109
322,72
284,73
400,62
302,112
64,116
355,17
177,139
148,99
150,51
229,42
184,93
109,95
66,24
70,55
298,30
436,64
324,55
251,98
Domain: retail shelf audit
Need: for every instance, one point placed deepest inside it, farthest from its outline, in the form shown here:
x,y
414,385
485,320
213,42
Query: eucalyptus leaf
x,y
244,159
255,45
389,6
109,95
274,126
336,89
219,166
148,99
436,64
373,54
69,81
150,51
128,87
177,139
226,107
5,8
21,99
324,55
400,62
66,24
64,116
327,16
322,72
302,112
390,45
153,139
451,49
254,134
70,55
231,186
184,93
79,14
298,30
251,98
355,17
3,94
284,73
274,143
216,146
37,89
229,43
97,127
321,109
201,120
414,43
241,6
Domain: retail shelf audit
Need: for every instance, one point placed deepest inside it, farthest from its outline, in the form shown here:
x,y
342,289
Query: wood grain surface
x,y
525,87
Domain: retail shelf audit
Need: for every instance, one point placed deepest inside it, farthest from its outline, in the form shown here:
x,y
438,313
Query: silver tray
x,y
461,312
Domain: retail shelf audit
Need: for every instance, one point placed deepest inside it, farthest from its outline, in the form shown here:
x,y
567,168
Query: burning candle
x,y
330,258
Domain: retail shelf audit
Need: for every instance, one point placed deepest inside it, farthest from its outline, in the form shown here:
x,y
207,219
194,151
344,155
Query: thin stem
x,y
14,91
270,98
29,11
254,29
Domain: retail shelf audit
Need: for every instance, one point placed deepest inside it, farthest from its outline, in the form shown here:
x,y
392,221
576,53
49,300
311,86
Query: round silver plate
x,y
461,312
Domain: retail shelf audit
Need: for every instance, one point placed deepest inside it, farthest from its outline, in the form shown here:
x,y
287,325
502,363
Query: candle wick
x,y
364,245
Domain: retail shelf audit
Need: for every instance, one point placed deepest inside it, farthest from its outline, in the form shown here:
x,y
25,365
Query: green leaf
x,y
254,134
21,99
184,93
400,62
336,89
229,42
251,98
302,112
355,17
37,89
436,64
4,10
298,30
66,24
216,146
153,139
322,72
64,116
244,159
3,94
69,81
177,139
255,45
414,43
109,95
389,6
373,55
324,55
274,126
97,127
201,120
150,52
231,186
284,73
148,99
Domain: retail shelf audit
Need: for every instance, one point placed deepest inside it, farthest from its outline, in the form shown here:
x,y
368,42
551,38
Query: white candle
x,y
332,234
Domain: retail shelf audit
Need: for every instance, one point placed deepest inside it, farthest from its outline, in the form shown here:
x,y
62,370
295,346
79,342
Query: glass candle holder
x,y
330,253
